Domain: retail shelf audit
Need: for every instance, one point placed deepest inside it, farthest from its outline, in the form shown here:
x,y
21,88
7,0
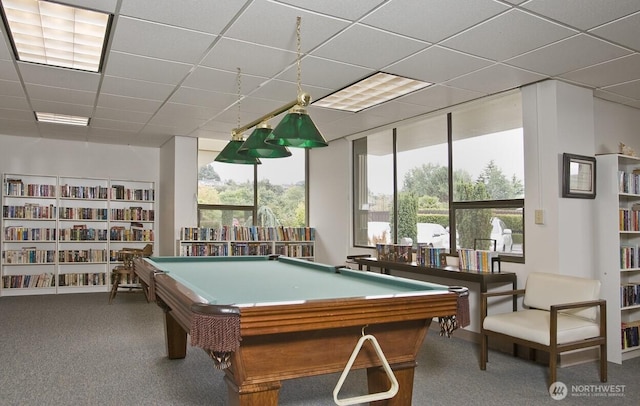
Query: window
x,y
273,193
461,171
488,175
373,189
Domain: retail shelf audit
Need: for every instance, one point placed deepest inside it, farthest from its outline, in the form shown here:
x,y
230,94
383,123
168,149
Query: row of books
x,y
629,219
629,294
30,211
120,192
629,257
28,281
65,256
16,187
84,192
476,260
247,233
251,249
121,233
294,250
630,334
82,213
629,182
82,279
83,234
204,250
429,256
12,233
133,214
28,256
394,253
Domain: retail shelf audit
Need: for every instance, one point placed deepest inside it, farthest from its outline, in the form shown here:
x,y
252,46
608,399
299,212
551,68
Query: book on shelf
x,y
629,334
476,260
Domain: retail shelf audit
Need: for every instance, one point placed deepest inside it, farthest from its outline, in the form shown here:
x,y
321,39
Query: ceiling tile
x,y
128,103
18,103
362,45
437,64
628,89
216,80
12,114
567,55
256,25
583,14
48,106
229,54
351,10
432,20
106,6
199,97
120,114
118,125
625,31
508,35
440,96
145,68
495,79
61,95
608,73
205,16
7,71
11,88
135,88
325,73
160,41
58,77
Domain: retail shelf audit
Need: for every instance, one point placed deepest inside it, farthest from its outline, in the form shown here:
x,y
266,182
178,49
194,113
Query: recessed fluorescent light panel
x,y
55,34
375,89
62,119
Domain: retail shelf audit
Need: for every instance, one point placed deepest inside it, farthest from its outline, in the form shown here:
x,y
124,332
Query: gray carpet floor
x,y
78,350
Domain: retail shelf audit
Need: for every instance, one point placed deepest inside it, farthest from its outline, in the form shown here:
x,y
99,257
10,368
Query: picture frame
x,y
578,176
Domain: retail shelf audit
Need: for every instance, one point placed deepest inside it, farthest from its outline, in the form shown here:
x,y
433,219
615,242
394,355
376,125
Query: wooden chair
x,y
561,313
123,276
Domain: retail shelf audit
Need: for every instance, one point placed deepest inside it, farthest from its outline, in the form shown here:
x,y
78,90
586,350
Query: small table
x,y
484,279
296,318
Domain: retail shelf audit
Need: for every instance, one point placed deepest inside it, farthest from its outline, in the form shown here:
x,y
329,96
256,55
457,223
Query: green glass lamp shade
x,y
297,130
255,146
229,154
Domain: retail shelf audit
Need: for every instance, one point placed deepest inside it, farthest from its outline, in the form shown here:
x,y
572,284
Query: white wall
x,y
178,174
330,201
615,123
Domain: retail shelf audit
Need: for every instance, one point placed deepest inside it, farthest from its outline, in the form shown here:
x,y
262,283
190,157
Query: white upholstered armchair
x,y
561,313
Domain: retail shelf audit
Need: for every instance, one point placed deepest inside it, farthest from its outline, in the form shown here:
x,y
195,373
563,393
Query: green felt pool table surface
x,y
256,279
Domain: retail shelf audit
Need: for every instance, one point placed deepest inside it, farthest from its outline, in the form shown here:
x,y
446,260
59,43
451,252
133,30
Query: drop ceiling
x,y
170,67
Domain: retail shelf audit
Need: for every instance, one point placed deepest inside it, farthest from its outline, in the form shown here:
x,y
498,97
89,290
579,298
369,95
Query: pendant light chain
x,y
239,82
299,52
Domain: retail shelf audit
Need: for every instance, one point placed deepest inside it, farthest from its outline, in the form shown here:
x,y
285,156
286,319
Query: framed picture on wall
x,y
578,176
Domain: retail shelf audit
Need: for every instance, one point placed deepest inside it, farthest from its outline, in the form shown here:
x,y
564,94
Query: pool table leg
x,y
379,382
176,337
263,394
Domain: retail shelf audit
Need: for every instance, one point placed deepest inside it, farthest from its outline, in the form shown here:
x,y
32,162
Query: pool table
x,y
295,318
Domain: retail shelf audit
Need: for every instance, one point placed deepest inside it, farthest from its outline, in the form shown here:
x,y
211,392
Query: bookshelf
x,y
297,242
61,234
618,239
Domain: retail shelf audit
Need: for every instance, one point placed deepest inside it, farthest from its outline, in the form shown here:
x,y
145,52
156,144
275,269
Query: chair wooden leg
x,y
603,363
484,352
553,364
114,287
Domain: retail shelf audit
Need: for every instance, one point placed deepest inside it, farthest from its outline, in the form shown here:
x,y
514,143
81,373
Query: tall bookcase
x,y
618,239
61,234
297,242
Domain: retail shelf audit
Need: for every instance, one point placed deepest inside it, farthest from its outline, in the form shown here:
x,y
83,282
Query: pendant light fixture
x,y
297,129
229,153
256,147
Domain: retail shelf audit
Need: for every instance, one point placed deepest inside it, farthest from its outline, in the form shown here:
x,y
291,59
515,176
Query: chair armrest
x,y
486,295
553,322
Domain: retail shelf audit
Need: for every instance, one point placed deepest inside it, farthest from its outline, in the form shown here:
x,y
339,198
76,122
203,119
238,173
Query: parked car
x,y
434,234
502,235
